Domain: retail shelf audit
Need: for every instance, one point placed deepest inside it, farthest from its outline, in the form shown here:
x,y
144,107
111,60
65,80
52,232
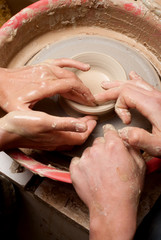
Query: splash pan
x,y
55,29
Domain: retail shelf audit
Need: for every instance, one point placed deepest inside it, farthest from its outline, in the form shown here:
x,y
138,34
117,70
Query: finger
x,y
109,130
131,98
112,139
82,137
114,88
142,139
136,81
122,110
108,84
68,124
73,138
71,63
111,94
44,122
74,90
91,124
87,118
139,82
73,168
135,153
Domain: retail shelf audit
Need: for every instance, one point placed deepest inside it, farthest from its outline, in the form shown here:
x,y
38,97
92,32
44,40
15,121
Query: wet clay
x,y
102,68
131,23
94,73
154,6
24,56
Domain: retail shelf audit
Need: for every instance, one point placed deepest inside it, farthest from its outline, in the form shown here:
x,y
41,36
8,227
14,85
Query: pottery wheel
x,y
129,58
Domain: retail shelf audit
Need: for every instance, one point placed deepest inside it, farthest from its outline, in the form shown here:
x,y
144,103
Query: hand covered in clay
x,y
136,93
22,88
37,130
109,178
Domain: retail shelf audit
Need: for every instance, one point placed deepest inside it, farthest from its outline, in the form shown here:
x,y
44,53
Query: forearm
x,y
116,225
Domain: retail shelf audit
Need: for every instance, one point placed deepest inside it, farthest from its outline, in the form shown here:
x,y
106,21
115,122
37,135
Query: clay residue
x,y
130,24
63,197
154,6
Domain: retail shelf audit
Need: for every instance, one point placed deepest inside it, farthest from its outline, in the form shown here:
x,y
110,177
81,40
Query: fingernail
x,y
133,73
87,66
80,127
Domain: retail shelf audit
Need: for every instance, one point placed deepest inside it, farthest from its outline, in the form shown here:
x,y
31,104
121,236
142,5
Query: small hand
x,y
22,88
37,130
109,179
136,93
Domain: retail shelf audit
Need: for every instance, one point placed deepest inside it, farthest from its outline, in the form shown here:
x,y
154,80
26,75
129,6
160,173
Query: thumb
x,y
73,167
142,139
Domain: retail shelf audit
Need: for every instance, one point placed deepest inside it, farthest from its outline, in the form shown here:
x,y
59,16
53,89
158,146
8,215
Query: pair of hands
x,y
109,176
138,94
22,88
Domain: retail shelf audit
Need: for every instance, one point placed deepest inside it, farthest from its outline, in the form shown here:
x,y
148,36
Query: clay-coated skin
x,y
136,93
38,130
109,178
22,88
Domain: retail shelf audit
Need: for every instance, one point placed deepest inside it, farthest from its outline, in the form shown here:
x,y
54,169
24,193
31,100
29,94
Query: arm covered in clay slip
x,y
38,130
21,88
136,93
109,178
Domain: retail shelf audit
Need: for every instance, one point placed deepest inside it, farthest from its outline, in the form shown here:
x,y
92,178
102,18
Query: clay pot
x,y
103,68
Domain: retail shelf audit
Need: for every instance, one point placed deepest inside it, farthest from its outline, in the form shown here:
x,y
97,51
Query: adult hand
x,y
109,179
21,88
39,130
136,93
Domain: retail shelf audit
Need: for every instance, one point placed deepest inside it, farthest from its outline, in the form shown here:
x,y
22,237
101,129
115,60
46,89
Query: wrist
x,y
8,139
113,224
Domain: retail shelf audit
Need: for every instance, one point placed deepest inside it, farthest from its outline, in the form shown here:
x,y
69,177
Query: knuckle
x,y
95,151
134,137
112,144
